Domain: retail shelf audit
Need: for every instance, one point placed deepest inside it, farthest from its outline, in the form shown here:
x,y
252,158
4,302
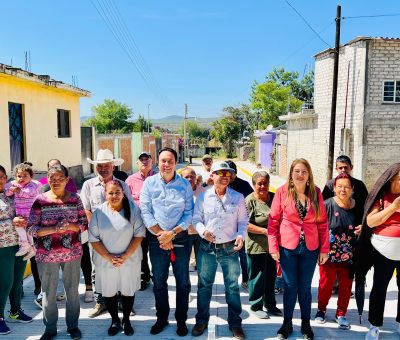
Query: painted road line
x,y
271,188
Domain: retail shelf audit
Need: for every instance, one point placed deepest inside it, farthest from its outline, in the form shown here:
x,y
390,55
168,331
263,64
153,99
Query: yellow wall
x,y
40,104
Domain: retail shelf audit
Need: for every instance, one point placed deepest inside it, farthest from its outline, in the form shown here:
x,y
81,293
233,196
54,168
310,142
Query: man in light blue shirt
x,y
166,202
220,218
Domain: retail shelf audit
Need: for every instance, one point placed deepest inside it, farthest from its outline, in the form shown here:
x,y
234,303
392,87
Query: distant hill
x,y
174,122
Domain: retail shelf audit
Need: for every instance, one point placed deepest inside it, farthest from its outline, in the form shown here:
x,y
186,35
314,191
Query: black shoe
x,y
48,336
182,329
306,330
144,285
199,329
285,330
75,333
37,290
159,326
128,329
237,332
275,311
114,328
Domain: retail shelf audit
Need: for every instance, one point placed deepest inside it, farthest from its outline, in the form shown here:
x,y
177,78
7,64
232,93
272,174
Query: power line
x,y
306,22
114,22
372,16
306,43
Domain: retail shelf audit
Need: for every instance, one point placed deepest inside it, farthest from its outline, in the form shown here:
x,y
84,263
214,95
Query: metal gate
x,y
86,149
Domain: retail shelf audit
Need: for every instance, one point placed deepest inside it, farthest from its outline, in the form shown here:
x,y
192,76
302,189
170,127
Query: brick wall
x,y
126,153
382,123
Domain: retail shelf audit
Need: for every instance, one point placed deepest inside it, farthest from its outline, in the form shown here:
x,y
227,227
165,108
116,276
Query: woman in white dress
x,y
115,232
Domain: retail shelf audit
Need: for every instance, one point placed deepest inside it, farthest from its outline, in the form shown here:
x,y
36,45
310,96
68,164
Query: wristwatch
x,y
173,234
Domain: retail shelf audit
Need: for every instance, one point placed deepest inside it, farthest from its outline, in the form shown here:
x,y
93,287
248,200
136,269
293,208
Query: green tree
x,y
282,92
142,125
226,131
244,115
111,117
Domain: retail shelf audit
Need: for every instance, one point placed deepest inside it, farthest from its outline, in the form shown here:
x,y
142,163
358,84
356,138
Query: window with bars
x,y
391,91
63,123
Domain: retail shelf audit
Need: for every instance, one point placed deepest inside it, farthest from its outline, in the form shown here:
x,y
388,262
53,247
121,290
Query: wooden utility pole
x,y
184,132
334,95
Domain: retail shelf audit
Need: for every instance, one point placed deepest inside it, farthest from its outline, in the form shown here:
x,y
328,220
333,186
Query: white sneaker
x,y
343,323
24,248
373,333
89,296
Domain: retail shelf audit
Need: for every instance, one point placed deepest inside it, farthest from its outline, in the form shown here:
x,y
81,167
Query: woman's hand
x,y
276,256
322,258
357,230
20,222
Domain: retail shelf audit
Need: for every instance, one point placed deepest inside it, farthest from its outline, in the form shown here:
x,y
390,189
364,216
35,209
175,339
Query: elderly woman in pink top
x,y
298,237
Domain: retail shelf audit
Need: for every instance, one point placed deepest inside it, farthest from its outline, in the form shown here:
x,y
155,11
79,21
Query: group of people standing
x,y
225,221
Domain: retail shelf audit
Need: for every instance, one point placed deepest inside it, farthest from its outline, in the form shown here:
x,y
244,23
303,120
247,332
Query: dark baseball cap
x,y
145,153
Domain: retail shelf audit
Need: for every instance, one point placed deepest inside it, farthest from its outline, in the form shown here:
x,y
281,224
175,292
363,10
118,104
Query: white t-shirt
x,y
387,246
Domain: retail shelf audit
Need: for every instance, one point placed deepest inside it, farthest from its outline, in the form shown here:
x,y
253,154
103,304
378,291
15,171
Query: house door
x,y
16,129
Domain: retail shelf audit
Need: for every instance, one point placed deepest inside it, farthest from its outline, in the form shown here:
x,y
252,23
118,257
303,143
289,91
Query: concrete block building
x,y
367,115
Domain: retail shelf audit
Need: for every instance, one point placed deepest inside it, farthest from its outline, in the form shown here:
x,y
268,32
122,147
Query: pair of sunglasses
x,y
223,173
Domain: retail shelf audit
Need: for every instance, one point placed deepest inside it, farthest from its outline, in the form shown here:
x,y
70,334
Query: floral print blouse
x,y
342,224
57,247
8,234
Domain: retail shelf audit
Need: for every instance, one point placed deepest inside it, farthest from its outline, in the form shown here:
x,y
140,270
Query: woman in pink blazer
x,y
298,236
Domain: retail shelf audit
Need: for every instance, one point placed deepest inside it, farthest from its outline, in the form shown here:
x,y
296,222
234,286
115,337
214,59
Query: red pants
x,y
327,273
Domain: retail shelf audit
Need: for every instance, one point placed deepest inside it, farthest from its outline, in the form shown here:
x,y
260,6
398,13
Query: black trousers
x,y
383,272
262,272
145,269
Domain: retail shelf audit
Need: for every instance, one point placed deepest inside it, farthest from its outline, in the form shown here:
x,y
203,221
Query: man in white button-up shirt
x,y
220,218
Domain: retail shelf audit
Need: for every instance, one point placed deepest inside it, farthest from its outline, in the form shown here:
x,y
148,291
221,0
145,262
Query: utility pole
x,y
148,118
334,95
184,132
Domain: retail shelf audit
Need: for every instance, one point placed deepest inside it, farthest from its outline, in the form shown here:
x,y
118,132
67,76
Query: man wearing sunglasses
x,y
220,218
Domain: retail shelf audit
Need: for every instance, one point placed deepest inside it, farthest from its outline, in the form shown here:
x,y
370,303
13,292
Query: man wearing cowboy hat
x,y
220,218
93,195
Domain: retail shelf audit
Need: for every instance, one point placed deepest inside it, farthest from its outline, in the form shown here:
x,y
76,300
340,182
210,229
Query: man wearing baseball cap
x,y
135,183
220,218
205,171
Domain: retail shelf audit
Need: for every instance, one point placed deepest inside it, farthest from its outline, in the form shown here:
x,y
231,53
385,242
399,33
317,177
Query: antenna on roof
x,y
28,61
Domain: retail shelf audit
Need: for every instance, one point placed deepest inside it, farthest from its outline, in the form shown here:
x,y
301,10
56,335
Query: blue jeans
x,y
298,268
207,261
160,261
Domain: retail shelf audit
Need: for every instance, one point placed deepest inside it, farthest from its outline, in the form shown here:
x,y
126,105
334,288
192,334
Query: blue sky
x,y
204,53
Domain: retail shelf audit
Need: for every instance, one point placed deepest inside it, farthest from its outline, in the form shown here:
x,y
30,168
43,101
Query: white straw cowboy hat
x,y
106,156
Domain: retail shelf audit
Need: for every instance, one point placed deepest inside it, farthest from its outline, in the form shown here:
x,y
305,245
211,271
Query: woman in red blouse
x,y
382,211
298,237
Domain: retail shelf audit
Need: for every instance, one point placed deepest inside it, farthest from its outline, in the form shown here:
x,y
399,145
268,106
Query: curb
x,y
248,173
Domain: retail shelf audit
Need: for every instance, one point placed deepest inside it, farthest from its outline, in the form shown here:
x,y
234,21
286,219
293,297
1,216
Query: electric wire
x,y
306,22
372,16
111,16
